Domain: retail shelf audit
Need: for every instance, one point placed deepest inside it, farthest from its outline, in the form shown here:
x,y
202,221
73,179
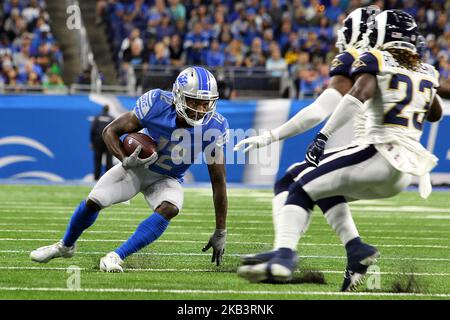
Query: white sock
x,y
277,204
340,219
292,223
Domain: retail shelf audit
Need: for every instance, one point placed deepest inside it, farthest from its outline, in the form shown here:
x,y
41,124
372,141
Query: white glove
x,y
255,142
134,161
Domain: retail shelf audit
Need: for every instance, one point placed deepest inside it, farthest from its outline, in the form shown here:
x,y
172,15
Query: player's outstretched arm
x,y
127,122
218,182
305,119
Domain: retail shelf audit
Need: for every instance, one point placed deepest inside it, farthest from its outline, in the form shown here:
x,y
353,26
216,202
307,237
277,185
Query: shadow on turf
x,y
305,276
407,282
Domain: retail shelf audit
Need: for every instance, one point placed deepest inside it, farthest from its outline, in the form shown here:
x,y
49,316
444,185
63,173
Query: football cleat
x,y
47,253
278,269
252,259
111,263
359,257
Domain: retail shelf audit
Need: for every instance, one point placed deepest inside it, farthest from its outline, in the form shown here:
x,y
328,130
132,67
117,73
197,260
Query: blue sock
x,y
148,231
82,219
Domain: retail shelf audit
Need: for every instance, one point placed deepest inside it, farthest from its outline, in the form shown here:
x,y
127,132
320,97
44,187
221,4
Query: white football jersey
x,y
395,115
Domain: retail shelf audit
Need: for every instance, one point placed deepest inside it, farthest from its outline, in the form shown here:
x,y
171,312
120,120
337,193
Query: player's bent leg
x,y
111,188
147,232
337,213
166,197
328,180
292,223
281,191
116,185
83,217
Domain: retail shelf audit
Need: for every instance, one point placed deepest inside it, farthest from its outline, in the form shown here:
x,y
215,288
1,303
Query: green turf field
x,y
413,236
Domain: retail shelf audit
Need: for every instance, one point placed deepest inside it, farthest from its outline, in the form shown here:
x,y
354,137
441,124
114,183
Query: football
x,y
134,139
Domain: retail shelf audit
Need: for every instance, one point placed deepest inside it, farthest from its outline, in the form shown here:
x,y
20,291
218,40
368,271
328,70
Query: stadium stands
x,y
282,46
30,57
251,34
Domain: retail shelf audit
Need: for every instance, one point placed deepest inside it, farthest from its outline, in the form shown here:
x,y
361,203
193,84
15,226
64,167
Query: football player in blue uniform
x,y
185,124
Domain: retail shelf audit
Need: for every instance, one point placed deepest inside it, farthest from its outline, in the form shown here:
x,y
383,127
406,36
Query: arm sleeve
x,y
309,116
345,111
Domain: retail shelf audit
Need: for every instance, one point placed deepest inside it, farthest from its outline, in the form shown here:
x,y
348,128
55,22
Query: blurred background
x,y
61,61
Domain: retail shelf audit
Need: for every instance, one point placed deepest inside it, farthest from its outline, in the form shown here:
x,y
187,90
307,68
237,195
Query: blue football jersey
x,y
178,148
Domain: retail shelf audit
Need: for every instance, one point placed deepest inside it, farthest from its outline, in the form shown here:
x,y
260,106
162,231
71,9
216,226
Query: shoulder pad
x,y
342,63
368,62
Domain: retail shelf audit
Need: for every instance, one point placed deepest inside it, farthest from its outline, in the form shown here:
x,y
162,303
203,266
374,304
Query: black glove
x,y
315,150
217,242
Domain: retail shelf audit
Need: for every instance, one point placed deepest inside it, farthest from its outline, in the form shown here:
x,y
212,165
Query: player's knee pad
x,y
328,203
298,196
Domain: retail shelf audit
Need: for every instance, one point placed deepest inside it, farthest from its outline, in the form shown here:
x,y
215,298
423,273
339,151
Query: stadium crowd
x,y
294,39
29,54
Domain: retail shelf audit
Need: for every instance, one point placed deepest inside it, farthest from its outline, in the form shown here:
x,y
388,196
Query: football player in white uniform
x,y
350,44
400,92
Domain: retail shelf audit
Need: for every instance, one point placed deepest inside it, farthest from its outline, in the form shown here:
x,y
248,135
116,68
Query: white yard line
x,y
313,228
439,274
237,242
234,292
189,254
128,232
185,219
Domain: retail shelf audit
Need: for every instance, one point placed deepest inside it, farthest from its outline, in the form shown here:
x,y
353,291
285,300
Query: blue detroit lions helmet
x,y
195,83
355,26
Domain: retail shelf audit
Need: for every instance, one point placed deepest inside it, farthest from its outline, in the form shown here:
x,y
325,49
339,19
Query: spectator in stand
x,y
161,55
234,56
176,51
214,56
195,44
135,35
177,10
155,15
255,57
134,54
291,50
165,28
276,64
310,83
54,84
235,24
333,11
